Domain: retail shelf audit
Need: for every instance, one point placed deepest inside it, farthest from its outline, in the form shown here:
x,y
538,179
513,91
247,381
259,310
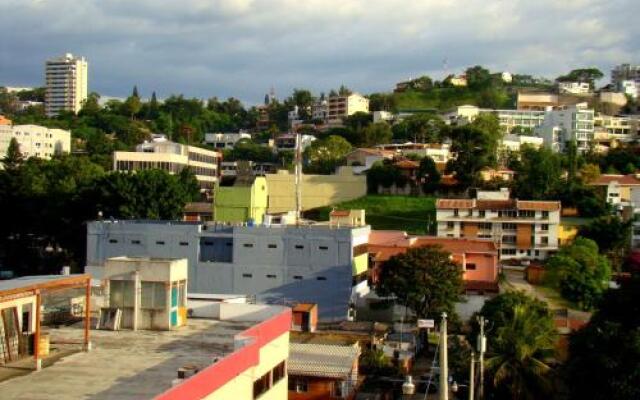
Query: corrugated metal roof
x,y
322,360
27,282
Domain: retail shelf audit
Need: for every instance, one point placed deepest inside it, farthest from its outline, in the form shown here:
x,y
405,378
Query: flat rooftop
x,y
125,364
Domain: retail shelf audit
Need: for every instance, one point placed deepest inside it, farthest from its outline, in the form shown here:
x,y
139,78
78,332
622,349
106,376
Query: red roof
x,y
538,205
623,180
406,164
534,205
340,213
455,203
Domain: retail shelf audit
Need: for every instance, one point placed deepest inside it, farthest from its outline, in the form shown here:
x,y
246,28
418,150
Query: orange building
x,y
478,258
4,120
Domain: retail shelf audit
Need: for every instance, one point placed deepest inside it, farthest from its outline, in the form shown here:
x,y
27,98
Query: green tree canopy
x,y
378,133
421,128
14,157
324,155
589,75
430,175
538,173
424,279
475,150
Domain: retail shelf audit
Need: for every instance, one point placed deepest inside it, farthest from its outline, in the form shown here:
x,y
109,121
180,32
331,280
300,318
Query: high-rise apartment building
x,y
566,124
66,82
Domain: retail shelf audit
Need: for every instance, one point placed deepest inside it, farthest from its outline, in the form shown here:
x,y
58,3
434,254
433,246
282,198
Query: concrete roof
x,y
322,360
126,364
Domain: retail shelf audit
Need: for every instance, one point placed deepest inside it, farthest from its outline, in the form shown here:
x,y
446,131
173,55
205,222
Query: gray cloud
x,y
240,48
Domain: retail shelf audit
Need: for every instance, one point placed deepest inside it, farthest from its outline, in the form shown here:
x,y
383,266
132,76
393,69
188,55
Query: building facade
x,y
521,229
320,264
35,141
245,200
343,106
508,119
566,124
225,140
578,88
66,84
625,72
171,157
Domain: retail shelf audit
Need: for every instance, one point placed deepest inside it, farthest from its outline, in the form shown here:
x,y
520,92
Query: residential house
x,y
362,159
577,88
619,190
225,140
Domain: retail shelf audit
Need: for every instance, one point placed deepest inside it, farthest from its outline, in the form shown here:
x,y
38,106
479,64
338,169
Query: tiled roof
x,y
406,164
340,213
380,237
322,360
378,152
624,180
455,203
495,204
538,205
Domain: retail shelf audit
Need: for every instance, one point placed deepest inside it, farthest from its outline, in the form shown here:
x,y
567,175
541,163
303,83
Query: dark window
x,y
298,385
247,275
324,248
261,385
322,278
297,277
208,243
184,243
455,212
248,245
160,242
545,227
272,246
481,213
471,267
545,214
271,276
299,246
279,372
229,244
135,242
113,241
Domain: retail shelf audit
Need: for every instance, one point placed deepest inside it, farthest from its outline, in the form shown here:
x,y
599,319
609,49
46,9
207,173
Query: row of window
x,y
513,252
266,381
295,277
275,246
503,213
489,226
139,242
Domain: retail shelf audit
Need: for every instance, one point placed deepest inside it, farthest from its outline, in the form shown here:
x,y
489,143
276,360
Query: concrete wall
x,y
24,304
241,203
317,190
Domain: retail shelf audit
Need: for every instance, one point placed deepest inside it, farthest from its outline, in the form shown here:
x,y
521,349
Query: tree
x,y
377,133
91,106
153,110
14,157
475,150
303,99
357,122
344,91
581,274
132,106
589,173
538,173
612,235
478,77
324,155
422,128
382,102
429,174
589,75
604,356
519,355
424,279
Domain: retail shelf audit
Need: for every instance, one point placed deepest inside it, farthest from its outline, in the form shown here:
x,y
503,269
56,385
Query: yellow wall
x,y
566,233
317,190
241,203
241,388
23,304
360,264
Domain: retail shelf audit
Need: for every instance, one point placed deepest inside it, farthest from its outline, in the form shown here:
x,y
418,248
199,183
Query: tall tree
x,y
324,155
134,92
538,173
475,150
424,279
429,174
378,133
589,75
14,157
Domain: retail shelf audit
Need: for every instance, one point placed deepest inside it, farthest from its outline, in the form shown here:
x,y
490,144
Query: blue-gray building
x,y
321,263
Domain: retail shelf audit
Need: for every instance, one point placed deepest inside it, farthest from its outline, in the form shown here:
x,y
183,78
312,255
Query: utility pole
x,y
472,375
298,177
444,370
482,346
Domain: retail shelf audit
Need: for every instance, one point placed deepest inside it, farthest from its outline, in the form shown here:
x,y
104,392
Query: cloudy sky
x,y
241,48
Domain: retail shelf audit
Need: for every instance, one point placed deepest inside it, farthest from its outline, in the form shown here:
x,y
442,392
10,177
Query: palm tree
x,y
519,366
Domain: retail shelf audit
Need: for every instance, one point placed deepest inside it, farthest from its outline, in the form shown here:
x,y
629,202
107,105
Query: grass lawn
x,y
411,214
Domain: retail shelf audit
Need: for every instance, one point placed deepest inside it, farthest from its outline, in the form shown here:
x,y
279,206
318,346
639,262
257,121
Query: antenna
x,y
298,177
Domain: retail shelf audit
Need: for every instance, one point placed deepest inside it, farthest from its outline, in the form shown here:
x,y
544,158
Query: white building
x,y
506,77
625,72
35,141
514,143
320,110
629,87
439,152
567,123
171,157
287,141
344,106
508,119
521,229
66,83
578,88
225,140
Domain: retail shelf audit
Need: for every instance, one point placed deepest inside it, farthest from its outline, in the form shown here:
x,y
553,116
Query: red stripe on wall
x,y
217,375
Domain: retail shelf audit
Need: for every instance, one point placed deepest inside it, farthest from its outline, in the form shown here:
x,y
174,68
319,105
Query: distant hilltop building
x,y
33,140
66,84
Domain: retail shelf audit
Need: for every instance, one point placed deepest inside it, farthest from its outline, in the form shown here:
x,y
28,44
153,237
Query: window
x,y
299,246
544,227
184,243
298,385
481,213
247,275
508,226
271,276
248,245
470,267
450,224
279,372
324,248
121,294
485,225
113,241
272,246
153,295
135,242
261,385
544,240
508,239
545,214
297,277
160,242
526,213
455,212
321,278
508,252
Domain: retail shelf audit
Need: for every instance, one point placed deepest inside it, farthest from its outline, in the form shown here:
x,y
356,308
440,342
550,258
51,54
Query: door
x,y
174,306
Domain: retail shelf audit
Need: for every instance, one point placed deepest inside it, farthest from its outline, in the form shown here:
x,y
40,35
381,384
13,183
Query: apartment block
x,y
508,119
625,72
172,157
343,106
521,229
565,124
225,140
66,84
323,263
35,141
577,88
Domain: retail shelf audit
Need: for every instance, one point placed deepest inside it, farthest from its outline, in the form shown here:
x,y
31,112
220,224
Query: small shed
x,y
305,317
145,293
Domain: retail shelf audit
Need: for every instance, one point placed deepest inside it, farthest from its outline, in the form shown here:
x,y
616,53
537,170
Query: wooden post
x,y
36,338
87,315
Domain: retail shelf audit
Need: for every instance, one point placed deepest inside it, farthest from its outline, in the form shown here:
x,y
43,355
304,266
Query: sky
x,y
242,48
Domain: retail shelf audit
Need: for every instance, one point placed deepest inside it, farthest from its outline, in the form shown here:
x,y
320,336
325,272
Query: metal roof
x,y
29,282
322,360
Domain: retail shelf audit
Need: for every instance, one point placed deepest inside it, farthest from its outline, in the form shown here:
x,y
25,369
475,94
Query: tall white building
x,y
66,82
35,141
567,123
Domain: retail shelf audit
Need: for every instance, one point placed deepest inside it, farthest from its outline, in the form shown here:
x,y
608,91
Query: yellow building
x,y
66,79
343,106
245,200
316,190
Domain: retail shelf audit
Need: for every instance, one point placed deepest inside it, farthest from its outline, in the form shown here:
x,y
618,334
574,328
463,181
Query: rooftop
x,y
498,204
322,360
126,364
30,283
623,180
